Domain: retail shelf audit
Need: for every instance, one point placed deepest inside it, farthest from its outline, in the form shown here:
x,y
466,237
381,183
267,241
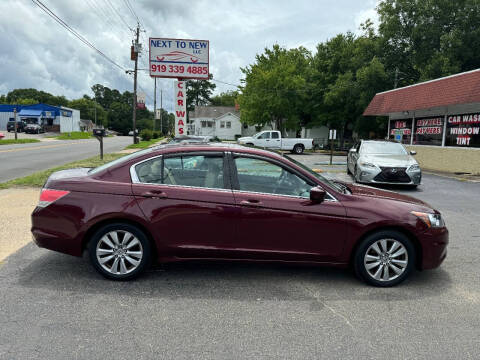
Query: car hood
x,y
389,160
368,191
246,138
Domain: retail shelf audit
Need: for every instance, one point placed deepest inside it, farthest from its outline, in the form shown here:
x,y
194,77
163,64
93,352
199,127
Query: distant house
x,y
220,121
86,125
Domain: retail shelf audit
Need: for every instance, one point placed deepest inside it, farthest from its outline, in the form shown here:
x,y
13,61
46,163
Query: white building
x,y
224,123
53,118
220,121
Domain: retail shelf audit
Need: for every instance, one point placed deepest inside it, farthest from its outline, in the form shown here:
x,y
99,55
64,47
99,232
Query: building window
x,y
428,131
404,127
204,124
229,124
222,124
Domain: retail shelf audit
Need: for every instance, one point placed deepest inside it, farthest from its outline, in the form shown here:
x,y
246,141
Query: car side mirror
x,y
413,152
317,194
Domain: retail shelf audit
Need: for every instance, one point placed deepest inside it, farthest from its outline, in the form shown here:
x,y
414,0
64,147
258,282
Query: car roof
x,y
212,146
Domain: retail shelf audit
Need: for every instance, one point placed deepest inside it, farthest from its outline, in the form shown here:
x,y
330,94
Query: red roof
x,y
461,88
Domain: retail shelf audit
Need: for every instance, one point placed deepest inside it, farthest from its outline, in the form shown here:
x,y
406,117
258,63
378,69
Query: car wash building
x,y
53,118
439,119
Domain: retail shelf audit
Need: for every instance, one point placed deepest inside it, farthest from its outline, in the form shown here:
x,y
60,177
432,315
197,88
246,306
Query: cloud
x,y
37,52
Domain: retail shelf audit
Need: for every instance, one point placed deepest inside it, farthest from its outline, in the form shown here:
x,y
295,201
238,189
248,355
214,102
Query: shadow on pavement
x,y
200,280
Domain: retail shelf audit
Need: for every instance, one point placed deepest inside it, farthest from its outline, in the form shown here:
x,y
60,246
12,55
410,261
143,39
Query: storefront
x,y
442,114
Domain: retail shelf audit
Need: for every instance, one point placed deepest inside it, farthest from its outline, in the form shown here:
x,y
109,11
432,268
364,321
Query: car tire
x,y
249,144
298,149
348,170
119,251
355,175
385,258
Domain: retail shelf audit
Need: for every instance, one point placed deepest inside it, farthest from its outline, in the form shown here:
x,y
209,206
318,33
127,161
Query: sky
x,y
39,53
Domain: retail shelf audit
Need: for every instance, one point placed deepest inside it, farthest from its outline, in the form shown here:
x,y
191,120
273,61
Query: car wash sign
x,y
463,130
179,58
180,108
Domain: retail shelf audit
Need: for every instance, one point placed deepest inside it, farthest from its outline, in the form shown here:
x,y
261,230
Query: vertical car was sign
x,y
180,108
179,58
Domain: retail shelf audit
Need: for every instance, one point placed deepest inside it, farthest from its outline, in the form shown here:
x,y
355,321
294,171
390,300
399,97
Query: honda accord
x,y
210,201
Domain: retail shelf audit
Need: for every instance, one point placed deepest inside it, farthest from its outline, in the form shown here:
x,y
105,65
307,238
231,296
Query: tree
x,y
14,96
87,110
429,39
275,88
199,92
227,98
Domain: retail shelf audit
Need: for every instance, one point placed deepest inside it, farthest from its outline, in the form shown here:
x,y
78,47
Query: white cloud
x,y
37,52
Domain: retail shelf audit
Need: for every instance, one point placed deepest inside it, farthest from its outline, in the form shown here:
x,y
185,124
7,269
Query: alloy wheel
x,y
386,259
119,252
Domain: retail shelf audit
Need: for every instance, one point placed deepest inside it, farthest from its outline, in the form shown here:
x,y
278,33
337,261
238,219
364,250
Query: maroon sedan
x,y
228,202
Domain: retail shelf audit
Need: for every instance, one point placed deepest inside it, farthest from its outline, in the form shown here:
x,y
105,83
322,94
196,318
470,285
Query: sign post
x,y
332,136
15,120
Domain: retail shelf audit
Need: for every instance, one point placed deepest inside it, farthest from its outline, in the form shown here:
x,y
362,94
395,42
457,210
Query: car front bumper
x,y
434,243
388,175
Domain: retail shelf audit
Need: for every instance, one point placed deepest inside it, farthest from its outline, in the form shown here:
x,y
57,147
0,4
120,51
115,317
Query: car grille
x,y
393,174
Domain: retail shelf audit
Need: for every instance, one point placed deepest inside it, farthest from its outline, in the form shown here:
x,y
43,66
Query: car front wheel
x,y
385,258
119,251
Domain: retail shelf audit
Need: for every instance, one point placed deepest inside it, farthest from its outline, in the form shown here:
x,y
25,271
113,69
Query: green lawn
x,y
19,141
143,144
38,179
75,135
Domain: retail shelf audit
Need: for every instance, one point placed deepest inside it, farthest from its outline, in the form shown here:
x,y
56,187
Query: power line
x,y
119,15
129,6
74,32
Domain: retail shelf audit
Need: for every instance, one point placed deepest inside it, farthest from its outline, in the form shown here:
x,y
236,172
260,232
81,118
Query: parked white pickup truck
x,y
272,139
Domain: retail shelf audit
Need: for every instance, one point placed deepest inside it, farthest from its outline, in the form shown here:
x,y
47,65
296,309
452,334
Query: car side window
x,y
275,135
150,171
194,170
262,176
265,135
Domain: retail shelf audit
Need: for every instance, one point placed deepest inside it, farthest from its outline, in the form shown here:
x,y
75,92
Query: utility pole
x,y
396,78
15,120
154,103
136,51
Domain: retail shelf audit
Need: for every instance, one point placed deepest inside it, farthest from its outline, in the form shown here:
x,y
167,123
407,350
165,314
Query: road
x,y
55,306
24,159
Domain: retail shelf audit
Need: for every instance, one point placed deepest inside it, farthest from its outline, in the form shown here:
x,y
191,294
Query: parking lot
x,y
57,307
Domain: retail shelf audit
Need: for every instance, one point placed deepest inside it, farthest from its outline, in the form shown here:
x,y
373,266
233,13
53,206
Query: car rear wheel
x,y
298,149
385,258
119,251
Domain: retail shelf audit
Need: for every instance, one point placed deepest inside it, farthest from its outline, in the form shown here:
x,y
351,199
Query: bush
x,y
146,134
156,134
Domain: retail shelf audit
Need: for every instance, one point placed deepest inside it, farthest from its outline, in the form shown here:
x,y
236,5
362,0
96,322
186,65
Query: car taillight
x,y
48,196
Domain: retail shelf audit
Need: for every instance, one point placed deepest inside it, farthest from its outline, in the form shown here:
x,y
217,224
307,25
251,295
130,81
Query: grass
x,y
143,144
19,141
75,135
38,179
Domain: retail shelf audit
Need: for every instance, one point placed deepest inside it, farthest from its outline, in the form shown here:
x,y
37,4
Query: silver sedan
x,y
383,162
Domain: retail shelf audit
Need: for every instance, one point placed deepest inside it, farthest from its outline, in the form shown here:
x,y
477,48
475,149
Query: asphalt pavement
x,y
24,159
57,307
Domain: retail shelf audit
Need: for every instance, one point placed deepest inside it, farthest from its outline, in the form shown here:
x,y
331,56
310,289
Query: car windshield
x,y
317,175
119,160
388,148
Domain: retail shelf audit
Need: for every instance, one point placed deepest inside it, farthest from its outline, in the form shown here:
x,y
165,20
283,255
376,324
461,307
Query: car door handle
x,y
159,194
251,202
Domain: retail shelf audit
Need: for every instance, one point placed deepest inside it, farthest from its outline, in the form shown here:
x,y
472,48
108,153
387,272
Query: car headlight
x,y
431,220
367,164
414,167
